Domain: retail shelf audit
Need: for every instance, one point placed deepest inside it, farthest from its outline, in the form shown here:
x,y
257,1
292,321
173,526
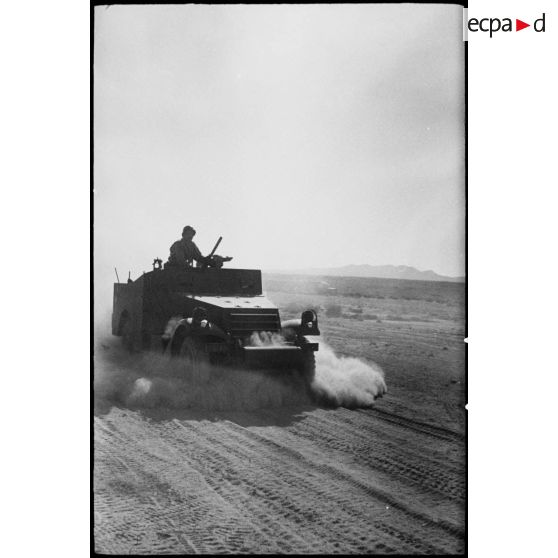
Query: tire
x,y
308,367
195,361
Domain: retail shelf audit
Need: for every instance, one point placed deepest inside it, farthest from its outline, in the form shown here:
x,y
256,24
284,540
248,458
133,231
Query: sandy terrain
x,y
251,465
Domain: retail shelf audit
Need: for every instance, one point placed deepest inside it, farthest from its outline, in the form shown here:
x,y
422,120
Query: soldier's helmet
x,y
188,229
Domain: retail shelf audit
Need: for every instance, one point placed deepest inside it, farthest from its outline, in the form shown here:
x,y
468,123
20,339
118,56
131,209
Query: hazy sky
x,y
307,136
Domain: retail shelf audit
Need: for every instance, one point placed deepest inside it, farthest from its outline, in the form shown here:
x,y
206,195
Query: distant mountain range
x,y
381,271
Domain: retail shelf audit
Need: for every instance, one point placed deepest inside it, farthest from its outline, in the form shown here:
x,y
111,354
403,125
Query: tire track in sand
x,y
282,501
324,483
390,451
184,486
149,485
417,426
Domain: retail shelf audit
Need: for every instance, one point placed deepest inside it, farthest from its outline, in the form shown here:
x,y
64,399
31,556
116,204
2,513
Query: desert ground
x,y
251,463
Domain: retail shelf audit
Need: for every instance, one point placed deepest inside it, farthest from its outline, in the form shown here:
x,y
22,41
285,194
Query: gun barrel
x,y
215,247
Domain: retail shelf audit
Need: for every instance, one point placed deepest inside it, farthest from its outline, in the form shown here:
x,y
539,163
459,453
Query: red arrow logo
x,y
519,25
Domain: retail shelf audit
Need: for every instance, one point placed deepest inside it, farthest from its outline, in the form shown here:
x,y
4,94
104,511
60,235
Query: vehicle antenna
x,y
117,279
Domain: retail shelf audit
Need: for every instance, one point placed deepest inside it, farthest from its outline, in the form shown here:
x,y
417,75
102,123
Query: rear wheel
x,y
195,360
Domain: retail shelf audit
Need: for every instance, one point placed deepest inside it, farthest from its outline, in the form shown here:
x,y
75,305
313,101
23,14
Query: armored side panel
x,y
233,306
176,292
128,304
231,282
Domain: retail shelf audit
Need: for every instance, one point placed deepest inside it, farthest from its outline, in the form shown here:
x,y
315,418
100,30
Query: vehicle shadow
x,y
142,384
279,416
276,416
145,384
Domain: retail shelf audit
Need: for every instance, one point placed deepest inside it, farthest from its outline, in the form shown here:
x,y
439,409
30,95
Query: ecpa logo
x,y
493,25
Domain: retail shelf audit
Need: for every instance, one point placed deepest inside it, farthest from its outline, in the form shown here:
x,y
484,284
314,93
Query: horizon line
x,y
364,265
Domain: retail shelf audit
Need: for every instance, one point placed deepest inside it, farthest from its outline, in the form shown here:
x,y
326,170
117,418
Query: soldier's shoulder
x,y
175,244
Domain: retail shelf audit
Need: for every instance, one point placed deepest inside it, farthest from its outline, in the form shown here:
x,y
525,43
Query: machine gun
x,y
214,260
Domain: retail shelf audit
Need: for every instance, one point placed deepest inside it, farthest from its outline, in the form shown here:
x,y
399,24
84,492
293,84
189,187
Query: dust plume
x,y
152,380
266,339
346,381
339,381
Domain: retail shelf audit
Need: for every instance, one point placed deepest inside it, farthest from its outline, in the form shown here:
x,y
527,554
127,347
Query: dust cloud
x,y
149,380
154,380
339,381
346,381
266,339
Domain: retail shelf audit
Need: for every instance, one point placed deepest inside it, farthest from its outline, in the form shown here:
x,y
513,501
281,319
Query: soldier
x,y
183,252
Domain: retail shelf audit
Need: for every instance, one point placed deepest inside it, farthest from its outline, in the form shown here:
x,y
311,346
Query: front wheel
x,y
195,360
308,367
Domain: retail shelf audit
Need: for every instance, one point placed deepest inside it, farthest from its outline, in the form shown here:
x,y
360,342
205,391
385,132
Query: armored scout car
x,y
212,315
